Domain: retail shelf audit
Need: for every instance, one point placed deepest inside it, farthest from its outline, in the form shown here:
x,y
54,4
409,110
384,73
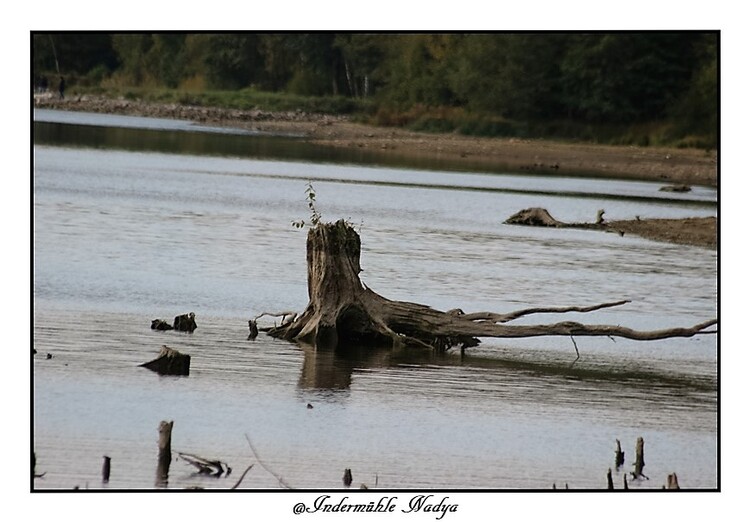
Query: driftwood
x,y
169,362
540,217
676,188
343,311
535,217
215,468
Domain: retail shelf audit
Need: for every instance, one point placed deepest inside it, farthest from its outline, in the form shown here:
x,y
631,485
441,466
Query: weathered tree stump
x,y
343,311
185,323
253,327
160,324
165,453
169,362
639,462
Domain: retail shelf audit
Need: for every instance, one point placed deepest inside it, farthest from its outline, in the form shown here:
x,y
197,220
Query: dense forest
x,y
645,87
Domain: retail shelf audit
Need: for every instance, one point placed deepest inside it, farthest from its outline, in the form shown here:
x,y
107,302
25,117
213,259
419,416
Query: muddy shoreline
x,y
668,165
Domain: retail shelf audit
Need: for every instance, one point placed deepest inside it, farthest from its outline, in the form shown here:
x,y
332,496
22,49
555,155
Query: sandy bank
x,y
683,166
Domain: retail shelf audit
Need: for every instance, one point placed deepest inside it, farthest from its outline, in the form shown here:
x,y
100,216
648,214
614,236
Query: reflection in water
x,y
332,368
548,379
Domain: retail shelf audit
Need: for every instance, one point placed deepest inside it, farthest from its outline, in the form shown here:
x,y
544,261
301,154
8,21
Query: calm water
x,y
139,220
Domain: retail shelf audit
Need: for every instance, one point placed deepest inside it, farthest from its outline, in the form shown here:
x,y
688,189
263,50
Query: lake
x,y
138,219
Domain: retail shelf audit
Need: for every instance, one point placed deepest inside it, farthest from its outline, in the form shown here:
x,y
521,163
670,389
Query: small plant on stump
x,y
315,216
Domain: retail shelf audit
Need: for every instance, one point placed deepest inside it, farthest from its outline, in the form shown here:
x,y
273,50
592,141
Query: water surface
x,y
124,234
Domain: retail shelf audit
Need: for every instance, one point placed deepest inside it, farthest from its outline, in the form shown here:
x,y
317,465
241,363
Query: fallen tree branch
x,y
504,318
215,468
570,328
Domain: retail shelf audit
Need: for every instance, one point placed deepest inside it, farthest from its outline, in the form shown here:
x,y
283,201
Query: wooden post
x,y
672,481
347,477
105,469
619,455
165,453
610,484
639,462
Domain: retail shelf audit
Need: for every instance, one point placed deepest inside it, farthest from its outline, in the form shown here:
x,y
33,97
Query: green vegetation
x,y
644,88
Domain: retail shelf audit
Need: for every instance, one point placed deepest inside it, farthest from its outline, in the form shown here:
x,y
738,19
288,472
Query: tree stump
x,y
160,324
342,311
347,479
169,362
165,453
639,462
185,323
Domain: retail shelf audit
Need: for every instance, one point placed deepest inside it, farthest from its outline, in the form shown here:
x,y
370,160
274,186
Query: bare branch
x,y
257,457
578,355
286,317
504,318
242,476
570,328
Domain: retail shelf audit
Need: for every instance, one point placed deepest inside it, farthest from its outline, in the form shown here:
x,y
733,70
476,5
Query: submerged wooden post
x,y
165,453
106,468
639,462
619,455
347,477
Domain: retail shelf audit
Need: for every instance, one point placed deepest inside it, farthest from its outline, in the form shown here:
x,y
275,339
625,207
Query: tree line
x,y
597,78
